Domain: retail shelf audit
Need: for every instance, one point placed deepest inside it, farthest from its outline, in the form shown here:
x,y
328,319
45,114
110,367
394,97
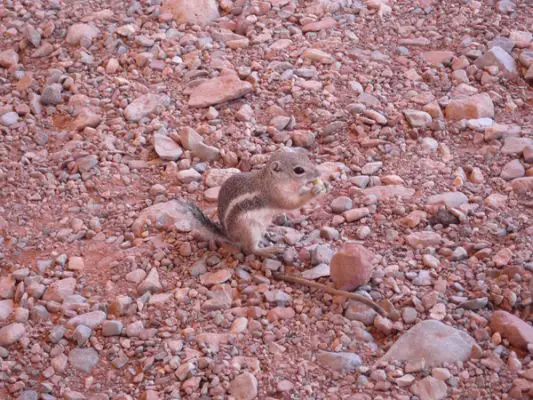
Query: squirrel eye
x,y
299,170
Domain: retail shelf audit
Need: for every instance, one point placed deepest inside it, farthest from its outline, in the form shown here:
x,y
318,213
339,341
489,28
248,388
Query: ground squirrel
x,y
248,201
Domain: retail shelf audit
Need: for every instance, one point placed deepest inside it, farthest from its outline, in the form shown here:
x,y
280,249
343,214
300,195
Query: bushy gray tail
x,y
205,221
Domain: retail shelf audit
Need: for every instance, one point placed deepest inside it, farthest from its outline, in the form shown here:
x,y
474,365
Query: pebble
x,y
513,169
476,106
341,362
244,387
8,58
418,119
219,90
83,360
430,388
9,118
433,342
351,266
499,57
11,333
51,95
166,148
145,105
518,332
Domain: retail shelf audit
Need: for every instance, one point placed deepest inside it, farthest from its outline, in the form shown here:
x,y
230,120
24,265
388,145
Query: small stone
x,y
409,315
91,319
515,145
188,176
216,277
423,239
449,199
418,119
51,94
355,214
436,58
79,33
430,261
219,90
432,342
320,271
11,333
476,106
145,105
75,264
285,386
371,168
318,56
499,57
195,12
430,388
513,169
151,283
82,333
244,387
340,362
58,290
10,118
325,23
8,58
84,360
166,148
112,328
351,266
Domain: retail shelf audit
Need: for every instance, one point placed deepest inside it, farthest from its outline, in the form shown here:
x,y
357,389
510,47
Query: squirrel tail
x,y
205,222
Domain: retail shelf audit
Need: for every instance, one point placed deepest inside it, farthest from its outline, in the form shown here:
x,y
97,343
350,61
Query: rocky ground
x,y
419,113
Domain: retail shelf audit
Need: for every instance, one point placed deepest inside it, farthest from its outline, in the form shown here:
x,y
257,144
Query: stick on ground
x,y
305,282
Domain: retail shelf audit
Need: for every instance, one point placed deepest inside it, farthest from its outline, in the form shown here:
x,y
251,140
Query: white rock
x,y
145,105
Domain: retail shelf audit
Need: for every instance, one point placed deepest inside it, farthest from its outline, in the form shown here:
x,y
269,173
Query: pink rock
x,y
219,90
503,257
518,332
423,239
436,58
216,277
476,106
325,23
351,266
278,313
195,12
523,185
388,191
8,58
513,169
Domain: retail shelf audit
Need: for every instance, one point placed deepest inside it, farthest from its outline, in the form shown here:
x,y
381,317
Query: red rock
x,y
518,332
436,58
423,239
476,106
325,23
218,90
351,266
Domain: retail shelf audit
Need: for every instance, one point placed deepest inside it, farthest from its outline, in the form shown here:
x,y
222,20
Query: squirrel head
x,y
291,167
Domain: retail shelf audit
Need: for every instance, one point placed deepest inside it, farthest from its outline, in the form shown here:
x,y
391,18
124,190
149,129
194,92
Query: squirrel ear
x,y
276,166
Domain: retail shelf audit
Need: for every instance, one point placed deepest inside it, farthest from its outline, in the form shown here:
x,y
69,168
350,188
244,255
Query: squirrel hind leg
x,y
251,234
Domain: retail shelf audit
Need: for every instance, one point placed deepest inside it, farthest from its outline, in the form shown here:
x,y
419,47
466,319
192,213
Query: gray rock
x,y
341,204
51,94
166,148
499,57
112,328
82,333
9,118
418,119
83,360
151,283
32,35
6,308
145,105
341,362
91,319
28,395
433,342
